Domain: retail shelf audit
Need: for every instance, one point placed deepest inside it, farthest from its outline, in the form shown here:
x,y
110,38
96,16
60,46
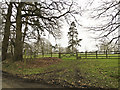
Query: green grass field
x,y
93,72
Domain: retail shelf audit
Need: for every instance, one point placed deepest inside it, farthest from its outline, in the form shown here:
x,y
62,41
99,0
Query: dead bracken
x,y
42,62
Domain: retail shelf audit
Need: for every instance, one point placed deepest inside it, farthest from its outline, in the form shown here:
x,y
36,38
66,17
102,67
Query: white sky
x,y
87,43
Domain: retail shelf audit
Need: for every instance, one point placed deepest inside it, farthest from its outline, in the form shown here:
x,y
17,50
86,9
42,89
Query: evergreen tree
x,y
73,38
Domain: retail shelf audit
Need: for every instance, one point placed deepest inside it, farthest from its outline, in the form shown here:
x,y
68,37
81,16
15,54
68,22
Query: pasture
x,y
101,73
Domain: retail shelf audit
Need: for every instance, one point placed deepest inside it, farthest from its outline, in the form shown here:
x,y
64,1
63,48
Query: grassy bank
x,y
97,72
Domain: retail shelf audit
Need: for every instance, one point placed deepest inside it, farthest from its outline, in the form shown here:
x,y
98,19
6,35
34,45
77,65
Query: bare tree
x,y
42,46
5,41
1,29
104,46
109,12
40,17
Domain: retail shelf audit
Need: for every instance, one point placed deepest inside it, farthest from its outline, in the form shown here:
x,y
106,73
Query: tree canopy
x,y
30,20
109,12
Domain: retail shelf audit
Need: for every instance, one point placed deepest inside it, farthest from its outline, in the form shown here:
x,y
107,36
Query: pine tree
x,y
73,38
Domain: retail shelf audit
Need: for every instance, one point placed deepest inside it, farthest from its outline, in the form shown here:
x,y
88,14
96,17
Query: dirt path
x,y
11,82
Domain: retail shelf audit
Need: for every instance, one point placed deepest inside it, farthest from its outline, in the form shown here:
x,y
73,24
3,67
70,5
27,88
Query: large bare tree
x,y
39,17
5,41
109,12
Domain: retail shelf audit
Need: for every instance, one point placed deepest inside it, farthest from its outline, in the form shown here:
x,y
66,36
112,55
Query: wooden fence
x,y
92,55
81,55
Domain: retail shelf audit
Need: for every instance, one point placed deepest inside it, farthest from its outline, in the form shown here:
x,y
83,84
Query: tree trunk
x,y
5,41
25,30
18,55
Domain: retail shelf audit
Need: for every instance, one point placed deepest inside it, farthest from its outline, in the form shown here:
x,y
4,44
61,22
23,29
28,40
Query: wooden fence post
x,y
43,54
96,55
51,54
59,55
25,58
76,55
86,54
106,54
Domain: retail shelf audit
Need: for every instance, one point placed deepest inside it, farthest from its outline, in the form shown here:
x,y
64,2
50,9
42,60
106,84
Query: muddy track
x,y
14,81
50,81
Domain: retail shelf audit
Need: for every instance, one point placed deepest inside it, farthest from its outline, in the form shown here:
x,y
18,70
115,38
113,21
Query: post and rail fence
x,y
83,55
92,55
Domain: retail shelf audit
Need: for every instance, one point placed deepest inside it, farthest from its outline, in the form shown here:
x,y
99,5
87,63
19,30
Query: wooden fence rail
x,y
83,55
94,55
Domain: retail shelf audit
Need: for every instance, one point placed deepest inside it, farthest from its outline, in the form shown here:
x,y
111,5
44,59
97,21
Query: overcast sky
x,y
87,43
